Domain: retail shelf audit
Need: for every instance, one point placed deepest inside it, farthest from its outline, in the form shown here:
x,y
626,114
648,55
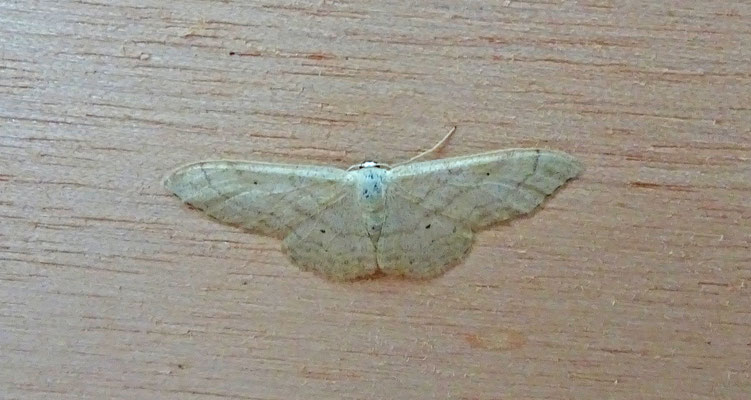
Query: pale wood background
x,y
632,283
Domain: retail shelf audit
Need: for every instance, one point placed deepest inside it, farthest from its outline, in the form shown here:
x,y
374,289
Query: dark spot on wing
x,y
427,226
323,231
255,182
487,174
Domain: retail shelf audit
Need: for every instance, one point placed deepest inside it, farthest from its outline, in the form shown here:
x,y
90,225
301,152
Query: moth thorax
x,y
370,184
370,195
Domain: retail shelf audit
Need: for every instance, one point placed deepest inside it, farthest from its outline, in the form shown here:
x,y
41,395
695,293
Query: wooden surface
x,y
634,282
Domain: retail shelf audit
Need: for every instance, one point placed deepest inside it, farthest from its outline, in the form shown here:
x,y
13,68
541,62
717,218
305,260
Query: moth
x,y
414,220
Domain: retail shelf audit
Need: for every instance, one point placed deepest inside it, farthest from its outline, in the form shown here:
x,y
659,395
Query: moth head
x,y
369,164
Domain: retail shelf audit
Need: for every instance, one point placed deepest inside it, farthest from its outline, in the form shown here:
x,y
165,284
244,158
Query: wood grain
x,y
633,282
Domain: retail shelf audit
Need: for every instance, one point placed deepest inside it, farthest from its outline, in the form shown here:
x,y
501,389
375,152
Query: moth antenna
x,y
430,150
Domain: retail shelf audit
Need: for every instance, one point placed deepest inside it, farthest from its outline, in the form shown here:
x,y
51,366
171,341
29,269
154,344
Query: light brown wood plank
x,y
633,282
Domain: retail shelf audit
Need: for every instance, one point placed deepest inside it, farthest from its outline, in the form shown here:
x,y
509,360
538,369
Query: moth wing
x,y
265,198
334,242
312,207
418,242
456,196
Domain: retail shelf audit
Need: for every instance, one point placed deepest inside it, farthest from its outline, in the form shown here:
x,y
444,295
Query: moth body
x,y
369,186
